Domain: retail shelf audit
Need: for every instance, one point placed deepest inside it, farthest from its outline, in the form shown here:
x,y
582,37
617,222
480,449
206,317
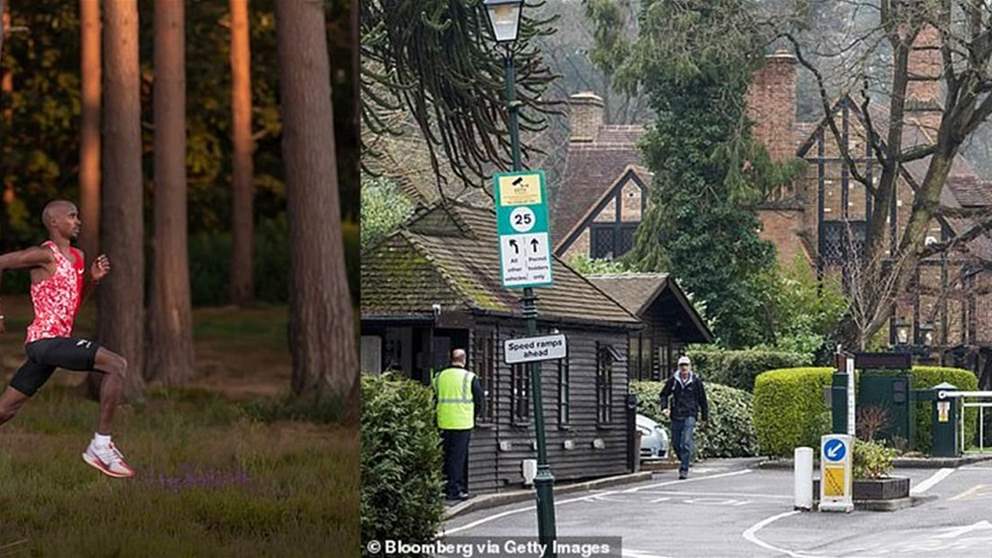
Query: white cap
x,y
684,360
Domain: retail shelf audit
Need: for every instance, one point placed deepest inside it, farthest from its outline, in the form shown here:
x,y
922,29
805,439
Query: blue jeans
x,y
682,440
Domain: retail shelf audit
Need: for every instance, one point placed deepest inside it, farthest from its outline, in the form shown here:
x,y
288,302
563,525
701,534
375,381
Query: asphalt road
x,y
729,509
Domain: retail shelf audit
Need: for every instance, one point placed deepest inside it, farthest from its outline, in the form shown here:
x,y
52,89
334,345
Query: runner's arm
x,y
32,257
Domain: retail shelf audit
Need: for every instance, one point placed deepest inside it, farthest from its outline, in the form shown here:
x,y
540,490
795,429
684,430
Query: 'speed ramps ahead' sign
x,y
533,349
522,225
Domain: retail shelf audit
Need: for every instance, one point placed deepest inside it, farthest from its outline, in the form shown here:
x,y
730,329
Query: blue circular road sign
x,y
834,449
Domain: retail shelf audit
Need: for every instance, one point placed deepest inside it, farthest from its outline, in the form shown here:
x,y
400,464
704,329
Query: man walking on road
x,y
689,401
57,291
459,398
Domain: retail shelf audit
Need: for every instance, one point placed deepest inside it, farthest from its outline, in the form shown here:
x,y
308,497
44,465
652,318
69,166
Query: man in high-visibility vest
x,y
459,398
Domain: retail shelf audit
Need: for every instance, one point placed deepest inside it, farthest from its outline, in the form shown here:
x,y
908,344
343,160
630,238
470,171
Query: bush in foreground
x,y
401,461
729,433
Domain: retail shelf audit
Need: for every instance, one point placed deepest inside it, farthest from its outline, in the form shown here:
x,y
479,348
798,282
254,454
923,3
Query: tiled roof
x,y
632,290
638,292
591,169
450,256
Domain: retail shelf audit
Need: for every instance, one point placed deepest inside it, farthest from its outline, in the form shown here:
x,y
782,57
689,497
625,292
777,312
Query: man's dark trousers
x,y
455,460
682,440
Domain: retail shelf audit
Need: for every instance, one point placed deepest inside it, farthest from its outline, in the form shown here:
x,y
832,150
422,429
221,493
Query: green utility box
x,y
946,438
884,397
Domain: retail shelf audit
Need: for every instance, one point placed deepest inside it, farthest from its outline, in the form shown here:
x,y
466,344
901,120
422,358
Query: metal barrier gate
x,y
984,400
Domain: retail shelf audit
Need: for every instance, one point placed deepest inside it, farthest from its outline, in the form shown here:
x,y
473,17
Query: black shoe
x,y
683,475
464,496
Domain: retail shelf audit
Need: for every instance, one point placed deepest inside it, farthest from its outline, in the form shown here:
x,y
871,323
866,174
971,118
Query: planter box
x,y
891,488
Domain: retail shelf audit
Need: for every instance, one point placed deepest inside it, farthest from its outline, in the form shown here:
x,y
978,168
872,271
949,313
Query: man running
x,y
57,291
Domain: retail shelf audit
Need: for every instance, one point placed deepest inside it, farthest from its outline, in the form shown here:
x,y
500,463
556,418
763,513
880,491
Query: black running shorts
x,y
45,355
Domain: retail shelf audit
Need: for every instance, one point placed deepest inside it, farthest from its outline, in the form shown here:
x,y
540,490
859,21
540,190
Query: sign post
x,y
525,262
836,475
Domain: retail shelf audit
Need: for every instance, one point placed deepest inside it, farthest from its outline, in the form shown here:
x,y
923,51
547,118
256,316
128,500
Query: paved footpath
x,y
728,508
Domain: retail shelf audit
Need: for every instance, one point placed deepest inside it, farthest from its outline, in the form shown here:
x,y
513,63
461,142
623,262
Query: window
x,y
664,362
564,402
634,348
611,240
485,363
520,385
603,243
843,241
604,383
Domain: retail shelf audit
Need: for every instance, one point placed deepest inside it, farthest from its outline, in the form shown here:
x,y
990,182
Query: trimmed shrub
x,y
401,461
925,377
872,460
789,410
729,433
739,368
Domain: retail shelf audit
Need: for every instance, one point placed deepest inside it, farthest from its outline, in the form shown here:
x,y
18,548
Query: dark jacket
x,y
689,399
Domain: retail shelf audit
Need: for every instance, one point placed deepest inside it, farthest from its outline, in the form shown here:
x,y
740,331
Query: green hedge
x,y
401,461
739,368
789,410
925,377
729,433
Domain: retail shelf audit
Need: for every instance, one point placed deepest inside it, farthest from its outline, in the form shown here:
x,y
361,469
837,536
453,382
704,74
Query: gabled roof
x,y
963,187
592,168
639,175
449,255
638,293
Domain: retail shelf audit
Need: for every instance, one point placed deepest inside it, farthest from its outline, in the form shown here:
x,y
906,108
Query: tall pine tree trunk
x,y
242,284
120,322
170,351
6,89
89,137
322,328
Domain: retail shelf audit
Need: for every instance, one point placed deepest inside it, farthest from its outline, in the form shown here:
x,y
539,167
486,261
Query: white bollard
x,y
803,475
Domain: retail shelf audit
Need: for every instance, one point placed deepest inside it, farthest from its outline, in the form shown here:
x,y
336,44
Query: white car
x,y
654,438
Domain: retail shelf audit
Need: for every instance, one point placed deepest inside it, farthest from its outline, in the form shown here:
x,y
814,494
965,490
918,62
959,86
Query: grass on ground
x,y
216,477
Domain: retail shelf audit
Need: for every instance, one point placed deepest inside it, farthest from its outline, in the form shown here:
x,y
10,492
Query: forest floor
x,y
226,466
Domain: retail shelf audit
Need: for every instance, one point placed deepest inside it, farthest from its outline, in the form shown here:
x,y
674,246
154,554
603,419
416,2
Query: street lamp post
x,y
504,19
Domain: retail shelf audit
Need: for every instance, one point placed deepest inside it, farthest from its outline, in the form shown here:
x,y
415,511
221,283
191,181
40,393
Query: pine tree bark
x,y
89,140
242,284
322,328
170,348
120,308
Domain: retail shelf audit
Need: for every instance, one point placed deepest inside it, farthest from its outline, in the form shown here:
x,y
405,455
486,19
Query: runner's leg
x,y
113,367
10,402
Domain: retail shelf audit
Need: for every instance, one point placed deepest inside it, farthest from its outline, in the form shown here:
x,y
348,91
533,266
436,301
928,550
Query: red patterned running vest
x,y
56,299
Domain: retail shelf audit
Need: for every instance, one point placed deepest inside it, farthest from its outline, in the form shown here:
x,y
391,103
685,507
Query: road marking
x,y
967,493
930,482
752,536
530,507
640,554
956,532
727,494
684,481
662,499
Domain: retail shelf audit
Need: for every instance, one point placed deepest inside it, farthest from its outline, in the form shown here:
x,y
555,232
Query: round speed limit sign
x,y
522,219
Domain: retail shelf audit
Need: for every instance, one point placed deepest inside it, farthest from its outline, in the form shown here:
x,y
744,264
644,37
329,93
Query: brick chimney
x,y
923,93
771,105
586,116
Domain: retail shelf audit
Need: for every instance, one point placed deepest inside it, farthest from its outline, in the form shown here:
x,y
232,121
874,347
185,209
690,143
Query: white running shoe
x,y
108,460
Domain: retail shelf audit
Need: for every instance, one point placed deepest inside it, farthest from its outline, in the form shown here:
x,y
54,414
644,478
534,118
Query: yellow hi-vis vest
x,y
455,409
